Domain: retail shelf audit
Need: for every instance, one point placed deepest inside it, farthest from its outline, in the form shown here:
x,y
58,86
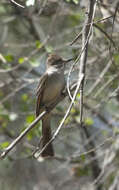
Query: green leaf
x,y
9,57
24,97
4,144
76,1
29,136
83,157
76,18
78,95
30,118
89,121
35,133
38,44
116,58
67,121
21,60
73,110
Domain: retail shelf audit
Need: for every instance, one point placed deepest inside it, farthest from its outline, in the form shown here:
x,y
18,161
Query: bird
x,y
50,87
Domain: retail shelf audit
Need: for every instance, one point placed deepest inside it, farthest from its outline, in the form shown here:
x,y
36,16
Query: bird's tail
x,y
46,136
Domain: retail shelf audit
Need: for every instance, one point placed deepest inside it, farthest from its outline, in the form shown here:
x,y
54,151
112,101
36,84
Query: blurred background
x,y
85,157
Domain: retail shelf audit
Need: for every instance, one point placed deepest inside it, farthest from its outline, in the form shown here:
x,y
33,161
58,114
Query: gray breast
x,y
54,85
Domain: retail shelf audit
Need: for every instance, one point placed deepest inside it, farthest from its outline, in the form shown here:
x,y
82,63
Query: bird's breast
x,y
54,85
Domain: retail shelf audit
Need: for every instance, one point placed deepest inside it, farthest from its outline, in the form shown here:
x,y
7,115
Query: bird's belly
x,y
54,87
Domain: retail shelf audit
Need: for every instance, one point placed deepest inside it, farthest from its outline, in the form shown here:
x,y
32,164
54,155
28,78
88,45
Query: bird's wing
x,y
39,92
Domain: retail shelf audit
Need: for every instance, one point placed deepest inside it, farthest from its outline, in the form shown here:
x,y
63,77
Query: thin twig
x,y
100,77
76,38
19,5
94,23
101,116
106,34
105,85
75,158
15,91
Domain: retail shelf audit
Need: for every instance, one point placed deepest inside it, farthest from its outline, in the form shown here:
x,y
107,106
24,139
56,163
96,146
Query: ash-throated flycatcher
x,y
50,87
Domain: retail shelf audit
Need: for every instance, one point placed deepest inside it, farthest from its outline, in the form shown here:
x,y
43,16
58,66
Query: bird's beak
x,y
68,60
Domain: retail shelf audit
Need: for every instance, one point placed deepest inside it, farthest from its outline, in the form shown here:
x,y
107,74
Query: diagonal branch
x,y
19,5
32,125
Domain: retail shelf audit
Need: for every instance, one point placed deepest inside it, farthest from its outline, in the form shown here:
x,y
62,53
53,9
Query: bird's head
x,y
56,61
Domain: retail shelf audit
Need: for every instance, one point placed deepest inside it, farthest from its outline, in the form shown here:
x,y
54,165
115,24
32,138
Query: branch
x,y
32,125
94,23
85,39
18,139
19,5
106,34
100,77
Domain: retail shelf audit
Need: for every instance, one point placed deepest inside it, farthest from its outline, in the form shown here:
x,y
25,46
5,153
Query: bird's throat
x,y
52,69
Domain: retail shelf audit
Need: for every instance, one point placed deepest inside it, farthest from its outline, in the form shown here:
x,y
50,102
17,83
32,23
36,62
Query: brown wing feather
x,y
40,91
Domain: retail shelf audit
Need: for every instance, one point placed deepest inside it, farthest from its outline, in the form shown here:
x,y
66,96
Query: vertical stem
x,y
85,40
